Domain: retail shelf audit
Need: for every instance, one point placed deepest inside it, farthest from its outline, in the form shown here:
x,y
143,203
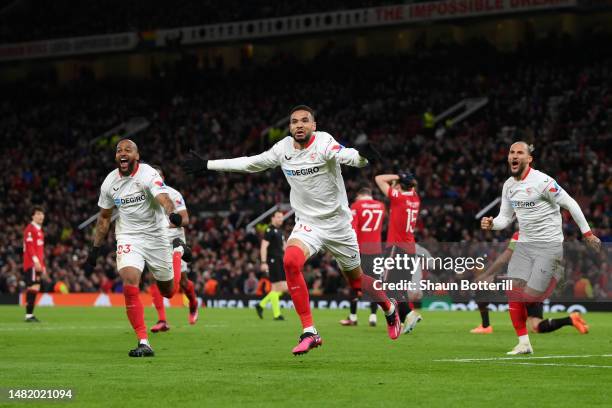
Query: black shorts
x,y
276,271
31,277
535,309
397,275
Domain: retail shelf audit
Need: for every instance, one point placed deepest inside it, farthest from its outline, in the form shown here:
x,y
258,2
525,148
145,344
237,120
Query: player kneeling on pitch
x,y
141,197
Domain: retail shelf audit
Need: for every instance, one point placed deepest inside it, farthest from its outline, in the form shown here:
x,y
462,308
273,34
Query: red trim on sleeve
x,y
588,234
526,174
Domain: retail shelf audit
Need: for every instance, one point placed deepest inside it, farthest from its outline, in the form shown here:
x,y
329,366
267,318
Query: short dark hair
x,y
364,190
36,209
304,108
276,212
158,169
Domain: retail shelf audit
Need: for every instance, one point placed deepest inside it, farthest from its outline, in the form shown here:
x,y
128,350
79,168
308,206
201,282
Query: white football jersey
x,y
317,186
134,197
179,205
535,201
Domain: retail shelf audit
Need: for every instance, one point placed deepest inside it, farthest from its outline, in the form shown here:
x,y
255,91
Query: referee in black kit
x,y
271,255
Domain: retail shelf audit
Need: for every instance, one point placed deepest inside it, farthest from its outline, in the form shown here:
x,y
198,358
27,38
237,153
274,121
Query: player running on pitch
x,y
186,284
368,219
141,197
311,163
535,266
404,204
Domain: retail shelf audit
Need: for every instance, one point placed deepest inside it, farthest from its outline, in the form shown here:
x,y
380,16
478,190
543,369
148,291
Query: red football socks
x,y
158,302
135,311
176,269
190,293
518,315
294,261
378,296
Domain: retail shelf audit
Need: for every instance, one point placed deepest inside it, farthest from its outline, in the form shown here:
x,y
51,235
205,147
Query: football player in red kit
x,y
404,204
33,260
368,218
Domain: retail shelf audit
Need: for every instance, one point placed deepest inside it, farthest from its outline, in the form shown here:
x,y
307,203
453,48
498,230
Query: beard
x,y
519,171
305,138
130,168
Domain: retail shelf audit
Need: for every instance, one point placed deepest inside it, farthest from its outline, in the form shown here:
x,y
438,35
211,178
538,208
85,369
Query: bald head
x,y
128,142
519,159
126,156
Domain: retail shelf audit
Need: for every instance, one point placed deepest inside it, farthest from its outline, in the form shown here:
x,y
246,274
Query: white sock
x,y
310,329
28,315
372,317
145,341
391,310
524,339
353,317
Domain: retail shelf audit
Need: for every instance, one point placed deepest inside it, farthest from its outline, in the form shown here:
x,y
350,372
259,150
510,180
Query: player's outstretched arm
x,y
102,227
370,153
196,164
566,201
332,150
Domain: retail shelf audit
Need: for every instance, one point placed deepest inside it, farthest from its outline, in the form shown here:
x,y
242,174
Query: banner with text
x,y
352,19
275,27
69,46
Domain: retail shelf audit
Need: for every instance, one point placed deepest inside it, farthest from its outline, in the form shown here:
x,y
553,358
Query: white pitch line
x,y
469,360
559,365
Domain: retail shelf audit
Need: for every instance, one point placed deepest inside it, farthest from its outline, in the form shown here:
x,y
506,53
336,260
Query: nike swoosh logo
x,y
115,189
354,256
288,158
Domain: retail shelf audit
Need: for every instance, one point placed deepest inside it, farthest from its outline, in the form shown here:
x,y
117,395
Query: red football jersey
x,y
368,216
404,211
33,245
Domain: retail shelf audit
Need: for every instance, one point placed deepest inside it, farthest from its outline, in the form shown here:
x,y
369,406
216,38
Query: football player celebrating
x,y
141,197
310,161
535,266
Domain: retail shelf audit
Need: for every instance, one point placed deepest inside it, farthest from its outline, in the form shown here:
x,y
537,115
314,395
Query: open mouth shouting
x,y
515,164
124,164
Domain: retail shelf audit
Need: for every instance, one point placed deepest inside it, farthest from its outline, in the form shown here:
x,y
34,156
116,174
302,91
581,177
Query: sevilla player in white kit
x,y
311,163
186,285
141,197
535,267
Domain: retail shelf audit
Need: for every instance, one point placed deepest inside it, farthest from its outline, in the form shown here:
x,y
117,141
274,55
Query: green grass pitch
x,y
231,358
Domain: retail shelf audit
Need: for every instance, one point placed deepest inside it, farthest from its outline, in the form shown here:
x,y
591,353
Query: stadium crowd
x,y
52,154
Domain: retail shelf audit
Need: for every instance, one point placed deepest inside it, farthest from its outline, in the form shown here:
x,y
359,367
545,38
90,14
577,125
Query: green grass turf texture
x,y
232,358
